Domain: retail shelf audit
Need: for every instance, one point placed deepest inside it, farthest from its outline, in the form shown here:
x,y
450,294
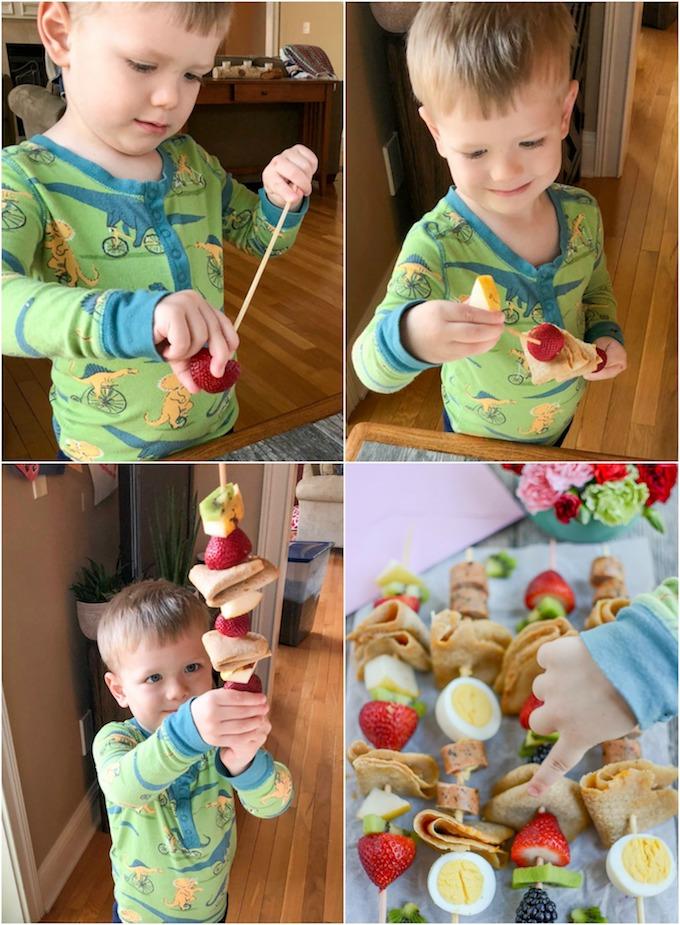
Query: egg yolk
x,y
460,882
646,860
471,704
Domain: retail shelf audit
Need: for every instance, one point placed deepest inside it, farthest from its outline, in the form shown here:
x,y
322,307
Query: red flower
x,y
610,472
513,467
659,479
566,507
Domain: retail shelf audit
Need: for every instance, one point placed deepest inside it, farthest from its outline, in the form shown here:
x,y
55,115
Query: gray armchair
x,y
37,107
320,495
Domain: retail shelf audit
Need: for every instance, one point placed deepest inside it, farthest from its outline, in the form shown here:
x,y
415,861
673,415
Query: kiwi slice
x,y
373,825
383,693
546,873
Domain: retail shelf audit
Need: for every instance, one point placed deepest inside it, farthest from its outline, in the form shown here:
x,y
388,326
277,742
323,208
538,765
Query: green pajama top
x,y
491,394
86,259
170,804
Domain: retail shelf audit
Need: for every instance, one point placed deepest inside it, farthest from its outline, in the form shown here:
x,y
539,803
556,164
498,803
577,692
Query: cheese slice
x,y
485,294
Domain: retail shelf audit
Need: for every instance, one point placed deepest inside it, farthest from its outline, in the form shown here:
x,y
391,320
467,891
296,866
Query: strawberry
x,y
408,599
549,583
603,359
254,685
385,856
551,342
234,626
226,551
530,704
387,725
199,367
540,838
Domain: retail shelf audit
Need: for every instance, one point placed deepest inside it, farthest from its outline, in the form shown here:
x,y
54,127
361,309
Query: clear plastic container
x,y
307,564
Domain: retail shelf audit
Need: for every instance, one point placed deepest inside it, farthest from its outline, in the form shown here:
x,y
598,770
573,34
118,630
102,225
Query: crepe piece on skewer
x,y
623,789
389,617
576,358
519,662
399,643
407,773
218,586
235,657
459,642
445,833
605,611
511,804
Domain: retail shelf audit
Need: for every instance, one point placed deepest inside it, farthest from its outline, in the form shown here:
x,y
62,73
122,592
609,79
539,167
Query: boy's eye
x,y
144,68
153,679
475,155
193,667
532,144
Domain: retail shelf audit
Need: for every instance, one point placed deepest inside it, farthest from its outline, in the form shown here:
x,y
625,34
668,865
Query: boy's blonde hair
x,y
155,609
202,18
486,51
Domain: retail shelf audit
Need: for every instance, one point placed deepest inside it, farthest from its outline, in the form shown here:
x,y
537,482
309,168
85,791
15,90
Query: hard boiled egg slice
x,y
640,865
468,709
462,882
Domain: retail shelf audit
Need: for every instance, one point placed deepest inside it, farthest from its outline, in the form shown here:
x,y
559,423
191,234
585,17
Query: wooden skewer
x,y
605,549
530,340
552,554
469,554
260,269
223,474
382,906
639,901
406,555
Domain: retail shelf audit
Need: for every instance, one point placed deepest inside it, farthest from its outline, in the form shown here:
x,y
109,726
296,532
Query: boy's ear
x,y
567,107
432,126
115,685
54,27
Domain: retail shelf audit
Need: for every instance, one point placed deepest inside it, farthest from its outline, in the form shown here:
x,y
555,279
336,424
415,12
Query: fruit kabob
x,y
548,595
231,579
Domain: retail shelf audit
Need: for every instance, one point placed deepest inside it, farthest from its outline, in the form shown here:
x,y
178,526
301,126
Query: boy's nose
x,y
505,169
166,95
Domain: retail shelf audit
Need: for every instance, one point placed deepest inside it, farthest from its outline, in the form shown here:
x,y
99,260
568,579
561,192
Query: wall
x,y
326,28
45,542
247,33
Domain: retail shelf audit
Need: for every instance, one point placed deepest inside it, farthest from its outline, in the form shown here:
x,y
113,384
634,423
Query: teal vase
x,y
576,532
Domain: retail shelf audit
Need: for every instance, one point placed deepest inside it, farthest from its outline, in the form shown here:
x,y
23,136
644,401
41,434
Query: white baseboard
x,y
69,847
588,154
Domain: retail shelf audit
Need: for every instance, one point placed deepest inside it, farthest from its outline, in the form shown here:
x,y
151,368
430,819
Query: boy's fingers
x,y
240,726
179,339
562,758
458,332
181,370
232,698
230,335
468,314
541,721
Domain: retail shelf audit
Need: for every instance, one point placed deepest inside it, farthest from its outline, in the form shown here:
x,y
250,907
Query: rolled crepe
x,y
511,804
460,642
400,643
605,611
617,791
211,582
605,567
519,662
229,654
408,773
576,358
444,832
217,593
389,617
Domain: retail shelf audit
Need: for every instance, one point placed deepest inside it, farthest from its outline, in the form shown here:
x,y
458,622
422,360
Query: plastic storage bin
x,y
307,564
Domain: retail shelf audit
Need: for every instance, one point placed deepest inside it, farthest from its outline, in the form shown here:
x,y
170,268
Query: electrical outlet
x,y
394,164
306,28
86,725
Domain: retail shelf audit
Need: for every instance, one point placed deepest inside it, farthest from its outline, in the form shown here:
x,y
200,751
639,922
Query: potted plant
x,y
174,533
590,502
94,587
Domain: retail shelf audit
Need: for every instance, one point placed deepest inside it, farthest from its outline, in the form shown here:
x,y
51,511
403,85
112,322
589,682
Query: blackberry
x,y
539,753
536,906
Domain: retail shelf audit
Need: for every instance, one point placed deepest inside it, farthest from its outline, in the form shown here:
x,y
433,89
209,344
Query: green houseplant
x,y
174,531
94,587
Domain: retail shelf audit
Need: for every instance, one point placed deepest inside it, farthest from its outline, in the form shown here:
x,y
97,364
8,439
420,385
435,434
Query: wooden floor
x,y
287,869
291,343
635,414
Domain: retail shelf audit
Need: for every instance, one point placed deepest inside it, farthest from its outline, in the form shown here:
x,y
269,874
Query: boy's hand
x,y
288,177
183,323
616,359
439,331
579,703
235,721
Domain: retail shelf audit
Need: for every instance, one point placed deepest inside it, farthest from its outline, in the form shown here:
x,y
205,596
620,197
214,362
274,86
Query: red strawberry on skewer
x,y
603,359
408,599
224,552
549,584
540,840
384,855
254,685
530,704
387,725
233,626
199,367
550,342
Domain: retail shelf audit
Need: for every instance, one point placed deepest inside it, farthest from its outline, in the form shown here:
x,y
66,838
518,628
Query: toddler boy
x,y
493,80
169,774
114,226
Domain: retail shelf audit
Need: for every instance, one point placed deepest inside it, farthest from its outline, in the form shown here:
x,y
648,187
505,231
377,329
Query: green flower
x,y
615,503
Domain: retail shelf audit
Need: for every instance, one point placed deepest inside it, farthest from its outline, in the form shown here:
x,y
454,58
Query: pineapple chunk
x,y
485,294
222,510
381,803
391,673
396,572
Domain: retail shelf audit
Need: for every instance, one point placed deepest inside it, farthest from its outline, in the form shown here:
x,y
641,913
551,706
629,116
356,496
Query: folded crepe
x,y
219,586
605,611
576,358
458,642
519,662
408,773
444,832
399,643
512,805
389,617
625,788
229,654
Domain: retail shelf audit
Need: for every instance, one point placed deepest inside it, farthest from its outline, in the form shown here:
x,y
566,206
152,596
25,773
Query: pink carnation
x,y
534,489
563,476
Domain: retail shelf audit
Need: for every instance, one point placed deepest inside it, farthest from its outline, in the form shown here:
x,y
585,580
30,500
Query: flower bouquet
x,y
590,502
